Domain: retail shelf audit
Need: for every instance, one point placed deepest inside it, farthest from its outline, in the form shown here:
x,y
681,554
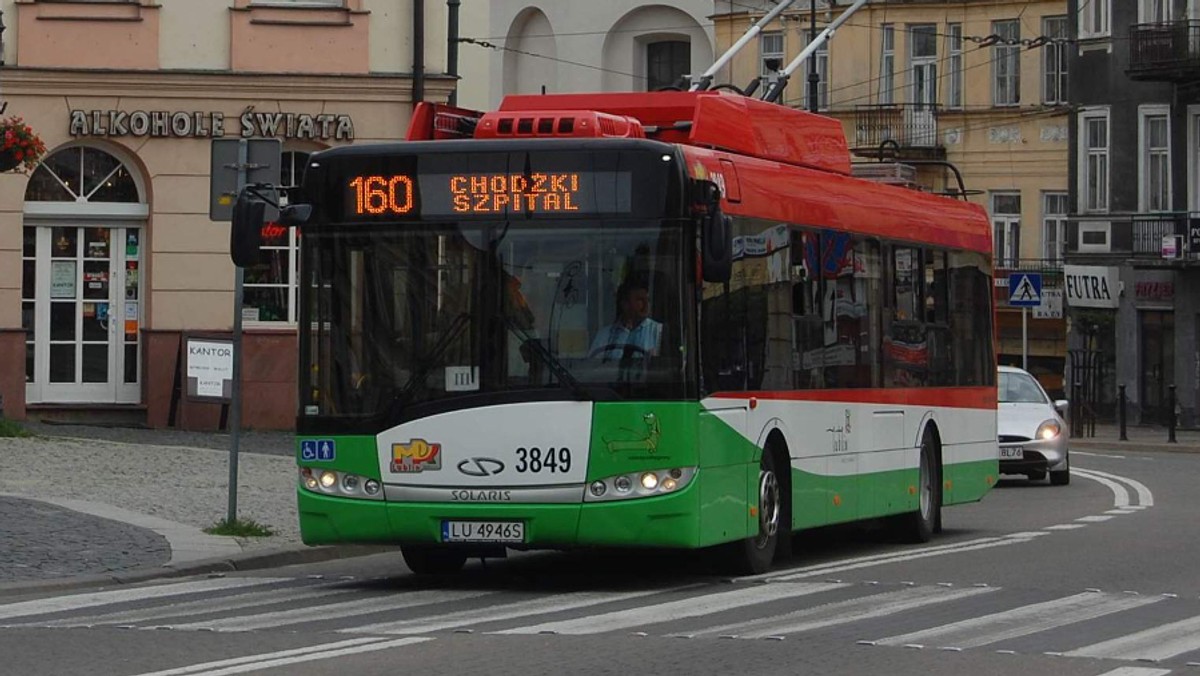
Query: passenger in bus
x,y
633,334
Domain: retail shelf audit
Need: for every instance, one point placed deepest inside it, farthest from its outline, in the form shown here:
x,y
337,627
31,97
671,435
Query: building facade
x,y
563,47
982,85
1134,235
108,257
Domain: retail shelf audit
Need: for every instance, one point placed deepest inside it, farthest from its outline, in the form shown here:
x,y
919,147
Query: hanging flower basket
x,y
20,147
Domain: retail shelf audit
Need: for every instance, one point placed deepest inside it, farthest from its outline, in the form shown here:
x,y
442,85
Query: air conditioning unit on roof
x,y
892,173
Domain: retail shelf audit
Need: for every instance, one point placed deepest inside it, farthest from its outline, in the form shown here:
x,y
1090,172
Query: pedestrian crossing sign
x,y
1025,289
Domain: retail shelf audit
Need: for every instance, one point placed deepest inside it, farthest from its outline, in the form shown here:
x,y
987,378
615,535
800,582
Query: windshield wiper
x,y
546,357
430,361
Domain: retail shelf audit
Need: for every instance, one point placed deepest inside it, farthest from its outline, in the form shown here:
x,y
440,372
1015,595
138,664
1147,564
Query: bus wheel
x,y
754,554
426,560
919,526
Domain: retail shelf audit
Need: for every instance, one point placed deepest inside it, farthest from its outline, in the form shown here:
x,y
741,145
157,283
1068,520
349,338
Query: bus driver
x,y
633,333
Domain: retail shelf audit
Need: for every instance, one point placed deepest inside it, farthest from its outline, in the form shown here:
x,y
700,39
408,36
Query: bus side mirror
x,y
245,236
717,242
716,235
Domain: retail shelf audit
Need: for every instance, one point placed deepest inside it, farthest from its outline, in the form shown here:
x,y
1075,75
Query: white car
x,y
1033,434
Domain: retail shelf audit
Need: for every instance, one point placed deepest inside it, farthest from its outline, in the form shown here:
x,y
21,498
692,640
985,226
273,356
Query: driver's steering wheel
x,y
628,350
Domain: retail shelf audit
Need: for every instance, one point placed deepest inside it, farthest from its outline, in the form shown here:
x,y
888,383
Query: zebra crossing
x,y
1161,630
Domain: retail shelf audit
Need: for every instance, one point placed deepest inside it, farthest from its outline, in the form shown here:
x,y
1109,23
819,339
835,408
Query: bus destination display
x,y
548,193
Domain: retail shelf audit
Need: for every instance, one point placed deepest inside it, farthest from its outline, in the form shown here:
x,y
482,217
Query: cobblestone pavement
x,y
40,541
183,484
250,441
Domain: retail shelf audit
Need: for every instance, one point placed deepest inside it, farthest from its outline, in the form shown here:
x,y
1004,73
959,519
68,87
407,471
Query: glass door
x,y
87,315
1158,364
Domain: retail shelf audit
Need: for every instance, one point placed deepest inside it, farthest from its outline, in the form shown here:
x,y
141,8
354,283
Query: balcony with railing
x,y
1165,52
898,131
1143,236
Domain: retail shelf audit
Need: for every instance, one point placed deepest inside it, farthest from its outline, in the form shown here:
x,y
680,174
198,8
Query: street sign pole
x,y
235,164
1025,340
235,423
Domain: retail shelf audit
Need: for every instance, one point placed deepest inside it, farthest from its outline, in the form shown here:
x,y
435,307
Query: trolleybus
x,y
668,320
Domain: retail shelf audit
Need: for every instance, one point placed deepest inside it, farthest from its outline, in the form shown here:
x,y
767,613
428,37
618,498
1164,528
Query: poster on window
x,y
62,279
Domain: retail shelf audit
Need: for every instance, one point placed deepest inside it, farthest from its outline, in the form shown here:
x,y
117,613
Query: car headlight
x,y
639,484
1048,430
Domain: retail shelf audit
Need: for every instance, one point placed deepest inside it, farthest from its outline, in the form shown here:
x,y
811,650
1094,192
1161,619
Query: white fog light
x,y
349,483
669,484
623,484
598,488
310,483
649,481
371,487
328,479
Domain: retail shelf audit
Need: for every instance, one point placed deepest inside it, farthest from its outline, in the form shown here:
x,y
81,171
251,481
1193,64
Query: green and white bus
x,y
662,320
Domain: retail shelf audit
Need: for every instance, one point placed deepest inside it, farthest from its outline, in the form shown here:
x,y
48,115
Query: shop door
x,y
1158,364
88,312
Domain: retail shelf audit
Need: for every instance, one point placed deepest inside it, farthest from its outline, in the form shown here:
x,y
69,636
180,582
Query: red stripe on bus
x,y
945,397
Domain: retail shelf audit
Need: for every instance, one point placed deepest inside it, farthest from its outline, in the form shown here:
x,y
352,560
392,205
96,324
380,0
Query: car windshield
x,y
1020,388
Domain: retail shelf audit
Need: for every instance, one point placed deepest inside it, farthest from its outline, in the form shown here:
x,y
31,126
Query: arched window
x,y
82,174
270,286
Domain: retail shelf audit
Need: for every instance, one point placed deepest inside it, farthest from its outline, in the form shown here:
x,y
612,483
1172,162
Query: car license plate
x,y
1012,453
483,531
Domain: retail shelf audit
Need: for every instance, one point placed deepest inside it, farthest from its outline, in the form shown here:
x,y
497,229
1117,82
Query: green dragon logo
x,y
641,441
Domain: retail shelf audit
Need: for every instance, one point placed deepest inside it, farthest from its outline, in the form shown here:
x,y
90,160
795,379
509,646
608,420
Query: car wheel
x,y
1062,477
426,560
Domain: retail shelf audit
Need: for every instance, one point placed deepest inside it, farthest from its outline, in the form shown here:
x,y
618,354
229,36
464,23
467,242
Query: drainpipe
x,y
418,90
452,48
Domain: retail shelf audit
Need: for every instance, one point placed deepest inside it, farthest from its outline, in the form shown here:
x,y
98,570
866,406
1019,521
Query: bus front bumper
x,y
661,521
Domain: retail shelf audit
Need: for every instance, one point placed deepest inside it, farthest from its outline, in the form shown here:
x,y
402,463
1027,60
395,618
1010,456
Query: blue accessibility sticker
x,y
318,450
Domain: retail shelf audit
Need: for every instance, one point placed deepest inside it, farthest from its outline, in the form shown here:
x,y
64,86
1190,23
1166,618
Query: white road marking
x,y
240,665
675,610
1098,455
1158,643
896,557
60,604
844,612
1145,497
202,607
332,611
1066,526
1022,621
1120,493
1127,510
1136,671
1094,519
538,606
819,568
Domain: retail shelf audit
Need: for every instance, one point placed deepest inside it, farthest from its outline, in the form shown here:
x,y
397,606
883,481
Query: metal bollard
x,y
1121,411
1171,414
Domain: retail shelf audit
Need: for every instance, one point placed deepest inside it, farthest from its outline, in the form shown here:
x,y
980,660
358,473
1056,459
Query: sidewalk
x,y
81,505
1139,438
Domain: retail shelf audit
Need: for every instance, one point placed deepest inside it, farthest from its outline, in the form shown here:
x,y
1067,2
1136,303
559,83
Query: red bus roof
x,y
772,161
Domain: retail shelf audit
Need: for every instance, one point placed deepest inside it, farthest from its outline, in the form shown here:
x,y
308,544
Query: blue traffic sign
x,y
1025,289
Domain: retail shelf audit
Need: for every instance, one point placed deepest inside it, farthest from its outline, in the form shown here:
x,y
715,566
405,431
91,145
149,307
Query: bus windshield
x,y
409,320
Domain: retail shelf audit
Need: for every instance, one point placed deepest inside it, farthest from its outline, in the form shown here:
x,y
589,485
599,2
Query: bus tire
x,y
754,554
920,525
427,560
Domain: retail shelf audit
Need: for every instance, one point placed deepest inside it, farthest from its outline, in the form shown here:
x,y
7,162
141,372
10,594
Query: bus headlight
x,y
340,484
639,484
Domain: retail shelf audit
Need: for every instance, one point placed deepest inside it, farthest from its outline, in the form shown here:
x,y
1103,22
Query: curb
x,y
259,561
